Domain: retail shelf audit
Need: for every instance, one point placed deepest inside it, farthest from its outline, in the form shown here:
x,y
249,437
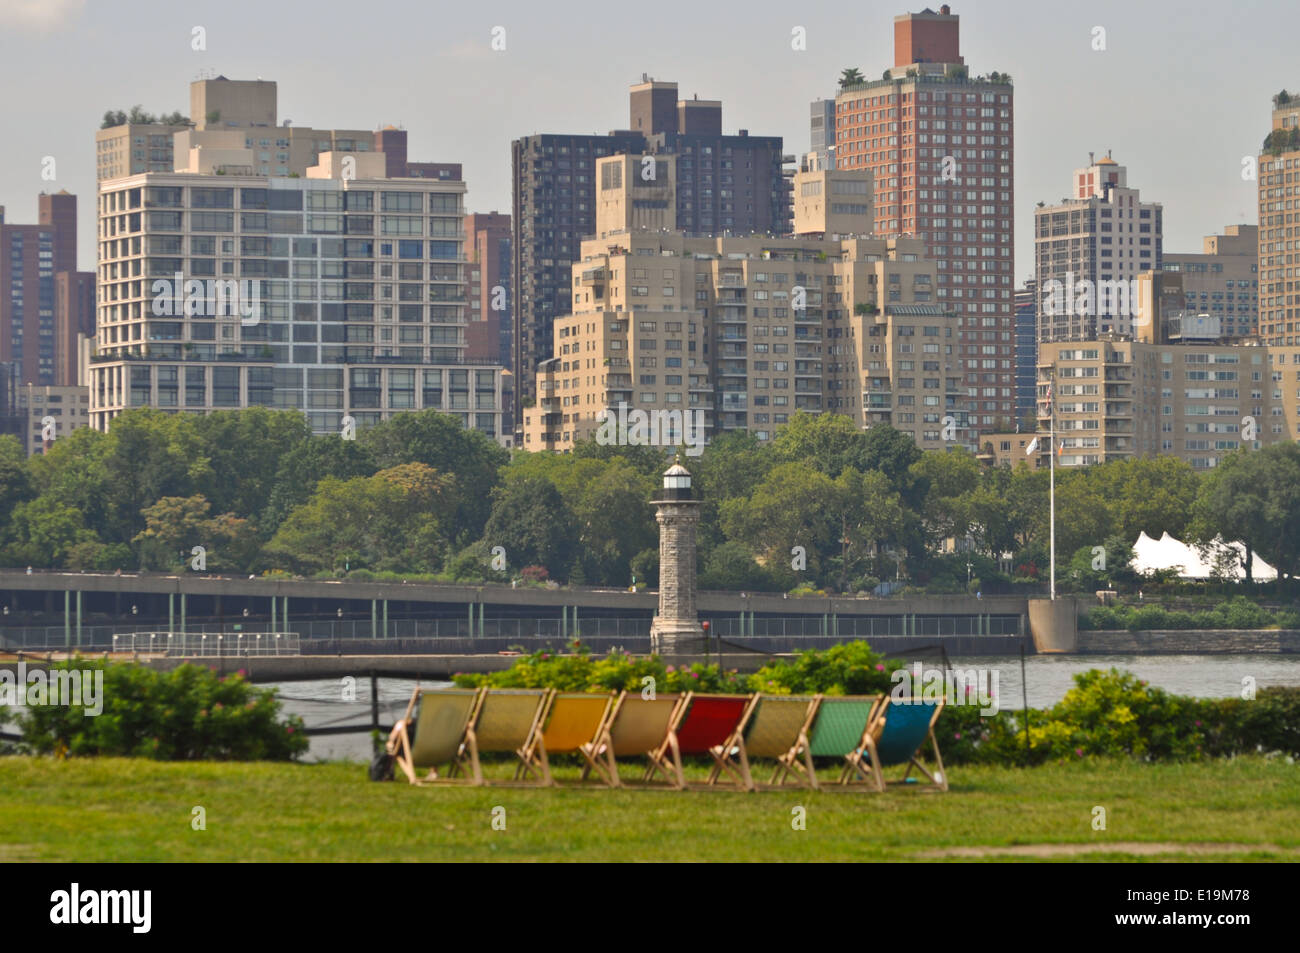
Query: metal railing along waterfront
x,y
203,645
250,636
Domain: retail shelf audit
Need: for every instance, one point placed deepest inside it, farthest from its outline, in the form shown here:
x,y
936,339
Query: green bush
x,y
851,668
1114,714
1238,612
187,714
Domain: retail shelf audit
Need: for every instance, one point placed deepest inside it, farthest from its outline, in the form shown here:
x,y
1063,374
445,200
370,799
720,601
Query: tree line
x,y
824,505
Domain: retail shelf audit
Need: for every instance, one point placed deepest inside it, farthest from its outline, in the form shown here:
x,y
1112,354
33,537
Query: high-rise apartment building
x,y
1279,191
43,298
940,145
338,293
1087,251
1223,280
745,331
724,184
487,247
1176,388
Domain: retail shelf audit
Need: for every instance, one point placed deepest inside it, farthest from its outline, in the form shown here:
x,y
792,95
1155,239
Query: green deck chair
x,y
898,732
838,732
432,733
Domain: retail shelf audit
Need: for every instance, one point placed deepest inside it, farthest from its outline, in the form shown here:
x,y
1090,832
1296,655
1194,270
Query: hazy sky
x,y
1180,94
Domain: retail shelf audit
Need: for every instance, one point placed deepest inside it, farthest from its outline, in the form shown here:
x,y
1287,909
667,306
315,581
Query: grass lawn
x,y
134,810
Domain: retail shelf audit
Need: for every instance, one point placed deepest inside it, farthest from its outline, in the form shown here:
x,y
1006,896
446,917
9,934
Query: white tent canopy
x,y
1194,562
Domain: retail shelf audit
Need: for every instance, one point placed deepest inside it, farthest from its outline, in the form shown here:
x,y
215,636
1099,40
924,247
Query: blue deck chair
x,y
898,731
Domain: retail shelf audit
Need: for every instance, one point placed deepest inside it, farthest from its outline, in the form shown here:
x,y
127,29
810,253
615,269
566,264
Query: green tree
x,y
301,468
245,450
397,520
1253,496
531,521
175,525
795,505
440,441
42,531
15,485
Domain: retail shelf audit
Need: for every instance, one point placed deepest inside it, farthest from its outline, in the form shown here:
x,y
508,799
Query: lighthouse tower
x,y
675,628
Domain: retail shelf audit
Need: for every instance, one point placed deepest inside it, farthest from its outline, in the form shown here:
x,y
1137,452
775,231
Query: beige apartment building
x,y
1116,399
50,412
1223,280
1279,229
746,331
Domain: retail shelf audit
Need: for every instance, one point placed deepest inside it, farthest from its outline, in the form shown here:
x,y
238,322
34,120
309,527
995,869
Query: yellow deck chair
x,y
636,727
432,733
506,721
777,729
573,719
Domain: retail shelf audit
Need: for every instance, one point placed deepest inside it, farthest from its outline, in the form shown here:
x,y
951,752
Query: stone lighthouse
x,y
675,628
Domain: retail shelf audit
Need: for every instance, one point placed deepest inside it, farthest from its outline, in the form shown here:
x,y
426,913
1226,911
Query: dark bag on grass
x,y
381,766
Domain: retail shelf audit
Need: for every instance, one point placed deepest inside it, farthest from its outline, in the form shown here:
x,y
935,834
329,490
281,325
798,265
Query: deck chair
x,y
899,730
573,719
507,720
702,723
432,733
776,727
837,732
636,726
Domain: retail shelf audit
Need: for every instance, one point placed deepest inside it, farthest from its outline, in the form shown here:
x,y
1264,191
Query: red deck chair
x,y
703,723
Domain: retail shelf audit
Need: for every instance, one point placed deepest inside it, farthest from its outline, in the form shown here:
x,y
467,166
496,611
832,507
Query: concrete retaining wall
x,y
1190,641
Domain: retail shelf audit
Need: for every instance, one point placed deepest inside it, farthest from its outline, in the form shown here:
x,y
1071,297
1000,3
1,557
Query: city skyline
x,y
452,104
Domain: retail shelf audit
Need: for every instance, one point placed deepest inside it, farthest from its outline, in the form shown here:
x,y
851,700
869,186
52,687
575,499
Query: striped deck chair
x,y
702,723
838,732
898,732
635,727
573,719
777,727
432,733
506,721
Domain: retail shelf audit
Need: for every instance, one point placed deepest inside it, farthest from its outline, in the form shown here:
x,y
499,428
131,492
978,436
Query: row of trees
x,y
824,504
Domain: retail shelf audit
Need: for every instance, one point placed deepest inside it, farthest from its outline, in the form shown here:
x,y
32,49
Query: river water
x,y
1048,678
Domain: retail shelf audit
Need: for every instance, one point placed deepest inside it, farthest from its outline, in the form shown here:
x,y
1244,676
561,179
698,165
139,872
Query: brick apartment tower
x,y
676,628
940,145
43,298
487,246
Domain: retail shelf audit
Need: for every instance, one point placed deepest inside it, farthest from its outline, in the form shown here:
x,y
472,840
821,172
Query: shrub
x,y
187,714
851,668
